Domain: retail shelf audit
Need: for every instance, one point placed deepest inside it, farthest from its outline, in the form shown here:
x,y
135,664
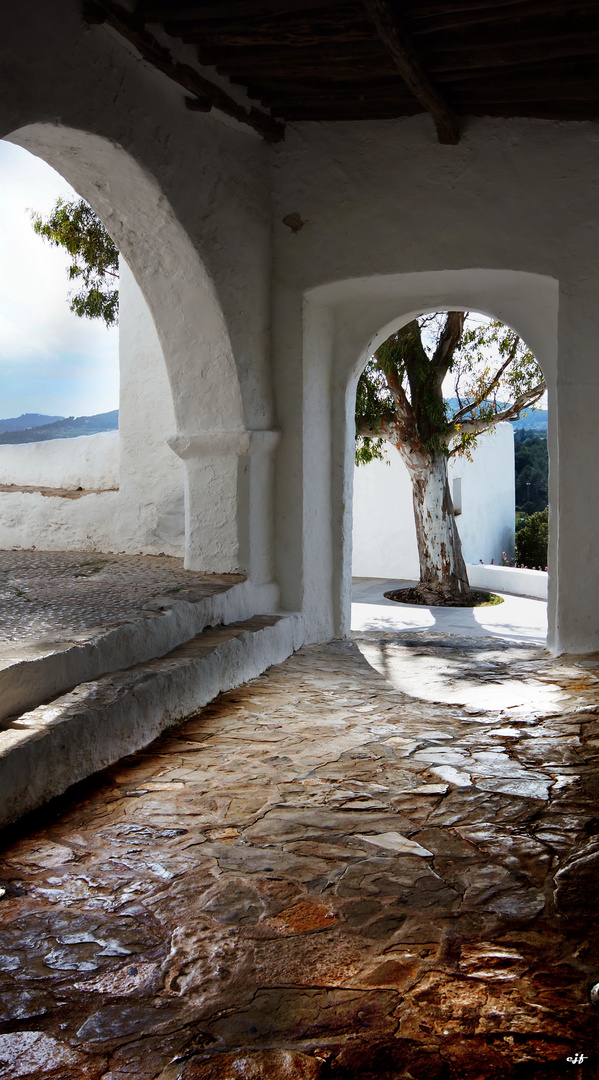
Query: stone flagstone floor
x,y
323,876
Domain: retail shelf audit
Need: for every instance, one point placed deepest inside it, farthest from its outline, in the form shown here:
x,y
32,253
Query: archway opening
x,y
60,372
96,372
193,393
344,324
436,404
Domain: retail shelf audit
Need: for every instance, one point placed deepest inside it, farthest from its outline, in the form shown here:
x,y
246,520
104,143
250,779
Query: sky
x,y
51,361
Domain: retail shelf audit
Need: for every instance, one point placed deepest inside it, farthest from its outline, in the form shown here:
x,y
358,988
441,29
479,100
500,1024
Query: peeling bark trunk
x,y
442,567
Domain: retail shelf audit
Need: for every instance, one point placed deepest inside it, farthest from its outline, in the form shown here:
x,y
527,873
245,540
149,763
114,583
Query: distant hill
x,y
64,428
534,421
26,421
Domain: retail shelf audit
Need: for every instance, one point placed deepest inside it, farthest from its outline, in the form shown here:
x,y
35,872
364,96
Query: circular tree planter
x,y
475,598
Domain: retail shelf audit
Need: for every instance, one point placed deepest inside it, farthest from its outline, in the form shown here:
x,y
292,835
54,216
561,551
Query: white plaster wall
x,y
384,533
152,512
487,522
509,579
89,461
52,523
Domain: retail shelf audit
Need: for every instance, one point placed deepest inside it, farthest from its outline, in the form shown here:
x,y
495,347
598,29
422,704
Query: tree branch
x,y
367,433
447,344
477,427
399,395
393,35
206,94
494,382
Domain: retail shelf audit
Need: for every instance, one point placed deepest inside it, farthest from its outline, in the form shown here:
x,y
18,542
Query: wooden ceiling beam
x,y
525,55
276,32
364,52
424,10
206,95
161,11
546,13
393,35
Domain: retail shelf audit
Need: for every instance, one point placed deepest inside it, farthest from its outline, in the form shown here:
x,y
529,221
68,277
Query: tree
x,y
532,540
399,400
532,471
94,257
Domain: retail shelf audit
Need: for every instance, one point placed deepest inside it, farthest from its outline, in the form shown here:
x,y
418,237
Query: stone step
x,y
45,750
32,672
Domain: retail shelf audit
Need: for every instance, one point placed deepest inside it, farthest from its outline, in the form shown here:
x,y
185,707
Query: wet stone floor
x,y
323,876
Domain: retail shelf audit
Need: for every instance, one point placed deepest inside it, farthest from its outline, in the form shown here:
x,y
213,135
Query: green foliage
x,y
492,365
532,471
531,541
400,397
374,404
94,257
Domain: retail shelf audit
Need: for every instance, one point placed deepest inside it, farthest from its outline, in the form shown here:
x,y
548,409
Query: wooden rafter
x,y
165,10
393,35
206,95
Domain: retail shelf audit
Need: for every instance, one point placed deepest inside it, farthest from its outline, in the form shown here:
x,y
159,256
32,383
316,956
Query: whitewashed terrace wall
x,y
384,533
89,461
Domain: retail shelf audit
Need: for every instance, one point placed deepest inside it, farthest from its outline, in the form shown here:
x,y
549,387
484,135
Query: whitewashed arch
x,y
345,322
165,264
210,433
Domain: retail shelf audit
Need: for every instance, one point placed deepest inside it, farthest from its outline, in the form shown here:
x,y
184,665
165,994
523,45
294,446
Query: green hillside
x,y
64,428
26,421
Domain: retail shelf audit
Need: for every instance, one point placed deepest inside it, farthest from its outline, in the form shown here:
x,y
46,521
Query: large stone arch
x,y
211,435
343,323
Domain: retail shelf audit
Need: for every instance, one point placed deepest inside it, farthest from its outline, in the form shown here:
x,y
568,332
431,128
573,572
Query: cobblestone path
x,y
49,597
321,876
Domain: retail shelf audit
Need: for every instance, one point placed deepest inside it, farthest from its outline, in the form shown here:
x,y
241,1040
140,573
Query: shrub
x,y
531,541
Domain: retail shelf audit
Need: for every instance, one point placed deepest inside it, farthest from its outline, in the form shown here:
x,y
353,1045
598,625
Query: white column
x,y
228,501
574,518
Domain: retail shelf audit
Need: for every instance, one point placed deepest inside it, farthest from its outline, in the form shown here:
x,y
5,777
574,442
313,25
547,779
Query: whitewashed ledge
x,y
87,461
508,579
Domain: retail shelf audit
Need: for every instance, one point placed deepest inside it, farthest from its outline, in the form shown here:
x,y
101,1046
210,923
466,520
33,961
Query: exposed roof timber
x,y
166,10
458,18
392,33
206,95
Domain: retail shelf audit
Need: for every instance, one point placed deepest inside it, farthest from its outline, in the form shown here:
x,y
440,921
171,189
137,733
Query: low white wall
x,y
509,579
384,533
89,461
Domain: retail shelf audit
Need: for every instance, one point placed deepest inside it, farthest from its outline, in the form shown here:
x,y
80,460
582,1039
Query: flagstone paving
x,y
323,875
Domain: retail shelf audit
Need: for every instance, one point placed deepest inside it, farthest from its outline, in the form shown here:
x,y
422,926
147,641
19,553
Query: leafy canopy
x,y
532,539
399,396
94,257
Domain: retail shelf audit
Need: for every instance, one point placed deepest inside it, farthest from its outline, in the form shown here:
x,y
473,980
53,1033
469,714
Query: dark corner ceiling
x,y
375,59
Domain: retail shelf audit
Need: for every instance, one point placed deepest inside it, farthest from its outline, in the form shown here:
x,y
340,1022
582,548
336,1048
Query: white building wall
x,y
89,461
384,533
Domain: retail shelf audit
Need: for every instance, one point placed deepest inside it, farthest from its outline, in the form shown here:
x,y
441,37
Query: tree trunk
x,y
442,569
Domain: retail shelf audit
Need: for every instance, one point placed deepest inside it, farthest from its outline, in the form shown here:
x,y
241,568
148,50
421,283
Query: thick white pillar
x,y
574,520
228,501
